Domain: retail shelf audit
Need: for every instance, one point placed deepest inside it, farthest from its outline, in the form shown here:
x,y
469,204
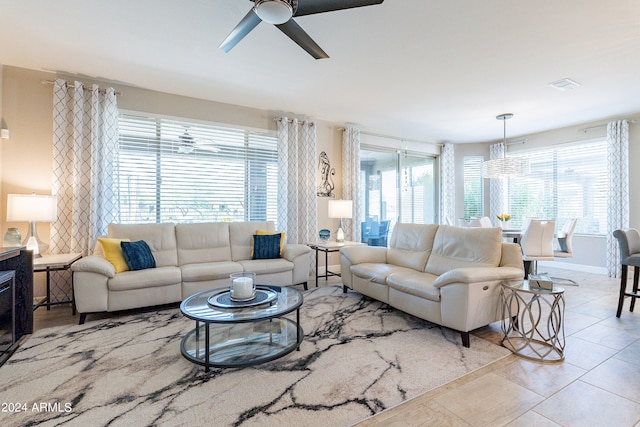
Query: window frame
x,y
235,181
552,185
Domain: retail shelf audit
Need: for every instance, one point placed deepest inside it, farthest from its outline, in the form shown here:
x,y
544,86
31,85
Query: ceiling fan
x,y
187,144
281,13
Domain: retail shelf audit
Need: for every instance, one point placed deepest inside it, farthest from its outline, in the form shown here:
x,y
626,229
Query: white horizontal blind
x,y
473,187
176,171
565,182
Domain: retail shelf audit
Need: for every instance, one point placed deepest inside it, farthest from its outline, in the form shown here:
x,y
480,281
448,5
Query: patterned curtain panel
x,y
85,142
618,200
496,186
351,181
447,184
297,201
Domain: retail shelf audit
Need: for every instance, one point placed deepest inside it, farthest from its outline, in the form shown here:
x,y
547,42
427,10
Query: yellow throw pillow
x,y
282,236
113,252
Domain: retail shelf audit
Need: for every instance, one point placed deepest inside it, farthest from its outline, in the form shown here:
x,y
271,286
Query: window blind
x,y
177,171
473,187
569,181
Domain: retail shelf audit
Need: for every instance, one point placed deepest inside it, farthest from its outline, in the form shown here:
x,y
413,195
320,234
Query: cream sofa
x,y
189,258
447,275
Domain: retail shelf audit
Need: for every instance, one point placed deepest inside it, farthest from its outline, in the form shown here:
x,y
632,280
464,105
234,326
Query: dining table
x,y
514,235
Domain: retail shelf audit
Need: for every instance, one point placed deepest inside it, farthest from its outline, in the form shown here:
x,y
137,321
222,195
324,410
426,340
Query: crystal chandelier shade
x,y
506,166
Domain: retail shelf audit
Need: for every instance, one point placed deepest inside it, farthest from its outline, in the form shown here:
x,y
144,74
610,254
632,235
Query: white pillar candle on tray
x,y
242,286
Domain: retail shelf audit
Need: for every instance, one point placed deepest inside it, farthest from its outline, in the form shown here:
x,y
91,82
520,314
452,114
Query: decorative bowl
x,y
324,234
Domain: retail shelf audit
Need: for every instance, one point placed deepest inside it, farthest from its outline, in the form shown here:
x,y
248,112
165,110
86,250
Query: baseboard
x,y
573,267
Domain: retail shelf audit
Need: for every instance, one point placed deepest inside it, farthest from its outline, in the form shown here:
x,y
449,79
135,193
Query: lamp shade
x,y
505,167
340,209
31,208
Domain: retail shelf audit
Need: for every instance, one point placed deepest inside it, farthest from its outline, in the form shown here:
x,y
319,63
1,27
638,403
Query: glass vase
x,y
12,238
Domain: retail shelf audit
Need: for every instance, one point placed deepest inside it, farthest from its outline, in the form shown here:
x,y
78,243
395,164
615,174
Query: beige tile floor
x,y
598,383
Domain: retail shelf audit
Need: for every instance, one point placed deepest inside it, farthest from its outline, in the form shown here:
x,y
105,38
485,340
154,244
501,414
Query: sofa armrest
x,y
361,254
94,264
290,251
478,274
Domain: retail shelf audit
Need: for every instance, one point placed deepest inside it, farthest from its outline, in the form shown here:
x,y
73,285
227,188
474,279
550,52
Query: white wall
x,y
588,250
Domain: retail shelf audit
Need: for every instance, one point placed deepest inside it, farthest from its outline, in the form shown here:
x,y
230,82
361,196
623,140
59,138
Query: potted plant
x,y
504,220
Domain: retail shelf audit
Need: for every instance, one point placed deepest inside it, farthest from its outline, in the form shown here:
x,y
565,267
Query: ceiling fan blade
x,y
248,23
298,35
309,7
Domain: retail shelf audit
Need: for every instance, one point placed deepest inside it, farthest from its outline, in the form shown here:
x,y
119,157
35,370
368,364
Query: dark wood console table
x,y
20,261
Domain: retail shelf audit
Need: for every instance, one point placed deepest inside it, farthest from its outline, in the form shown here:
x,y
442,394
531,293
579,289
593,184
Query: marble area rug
x,y
358,357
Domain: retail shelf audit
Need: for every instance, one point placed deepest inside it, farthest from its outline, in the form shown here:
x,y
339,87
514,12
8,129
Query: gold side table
x,y
532,320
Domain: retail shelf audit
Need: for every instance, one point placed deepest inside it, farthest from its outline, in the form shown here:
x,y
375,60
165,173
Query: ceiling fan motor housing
x,y
275,12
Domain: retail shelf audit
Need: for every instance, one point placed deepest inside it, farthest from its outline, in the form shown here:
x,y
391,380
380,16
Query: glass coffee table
x,y
231,334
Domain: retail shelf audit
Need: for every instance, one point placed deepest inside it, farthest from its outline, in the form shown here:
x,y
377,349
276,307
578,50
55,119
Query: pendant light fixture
x,y
505,167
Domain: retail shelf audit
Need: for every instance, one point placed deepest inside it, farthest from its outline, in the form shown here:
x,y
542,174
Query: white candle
x,y
242,287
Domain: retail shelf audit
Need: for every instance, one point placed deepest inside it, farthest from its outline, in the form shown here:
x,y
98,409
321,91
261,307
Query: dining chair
x,y
537,244
565,241
485,221
381,238
473,222
369,230
629,243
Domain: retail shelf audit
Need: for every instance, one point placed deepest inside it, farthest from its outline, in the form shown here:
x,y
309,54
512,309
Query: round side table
x,y
532,320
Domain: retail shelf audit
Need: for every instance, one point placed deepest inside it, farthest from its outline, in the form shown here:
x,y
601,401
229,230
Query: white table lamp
x,y
32,208
340,209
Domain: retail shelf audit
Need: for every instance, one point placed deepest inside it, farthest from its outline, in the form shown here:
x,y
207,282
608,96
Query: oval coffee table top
x,y
197,306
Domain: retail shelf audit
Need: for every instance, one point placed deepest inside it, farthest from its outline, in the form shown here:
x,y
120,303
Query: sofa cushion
x,y
410,245
377,273
266,246
267,266
112,251
203,242
241,237
458,247
209,270
137,255
161,239
415,283
141,279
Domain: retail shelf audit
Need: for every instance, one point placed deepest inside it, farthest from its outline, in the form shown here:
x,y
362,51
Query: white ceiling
x,y
433,70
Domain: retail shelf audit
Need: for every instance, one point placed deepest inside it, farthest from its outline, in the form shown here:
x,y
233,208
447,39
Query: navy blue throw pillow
x,y
266,246
138,255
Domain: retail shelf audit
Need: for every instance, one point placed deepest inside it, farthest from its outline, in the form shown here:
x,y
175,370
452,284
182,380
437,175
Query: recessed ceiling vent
x,y
564,84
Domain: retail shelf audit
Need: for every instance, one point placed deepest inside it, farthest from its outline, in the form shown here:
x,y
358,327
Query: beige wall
x,y
25,159
26,110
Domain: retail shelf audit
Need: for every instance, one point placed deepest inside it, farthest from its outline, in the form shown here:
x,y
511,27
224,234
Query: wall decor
x,y
325,189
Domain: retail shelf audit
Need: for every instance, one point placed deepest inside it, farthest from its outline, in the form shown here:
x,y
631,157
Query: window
x,y
398,186
473,187
569,181
175,171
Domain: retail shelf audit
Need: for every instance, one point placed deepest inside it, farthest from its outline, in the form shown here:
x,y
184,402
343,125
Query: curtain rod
x,y
585,130
277,119
440,144
50,82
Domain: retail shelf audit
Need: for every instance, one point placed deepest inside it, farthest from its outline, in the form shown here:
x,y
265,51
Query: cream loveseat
x,y
447,275
189,258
